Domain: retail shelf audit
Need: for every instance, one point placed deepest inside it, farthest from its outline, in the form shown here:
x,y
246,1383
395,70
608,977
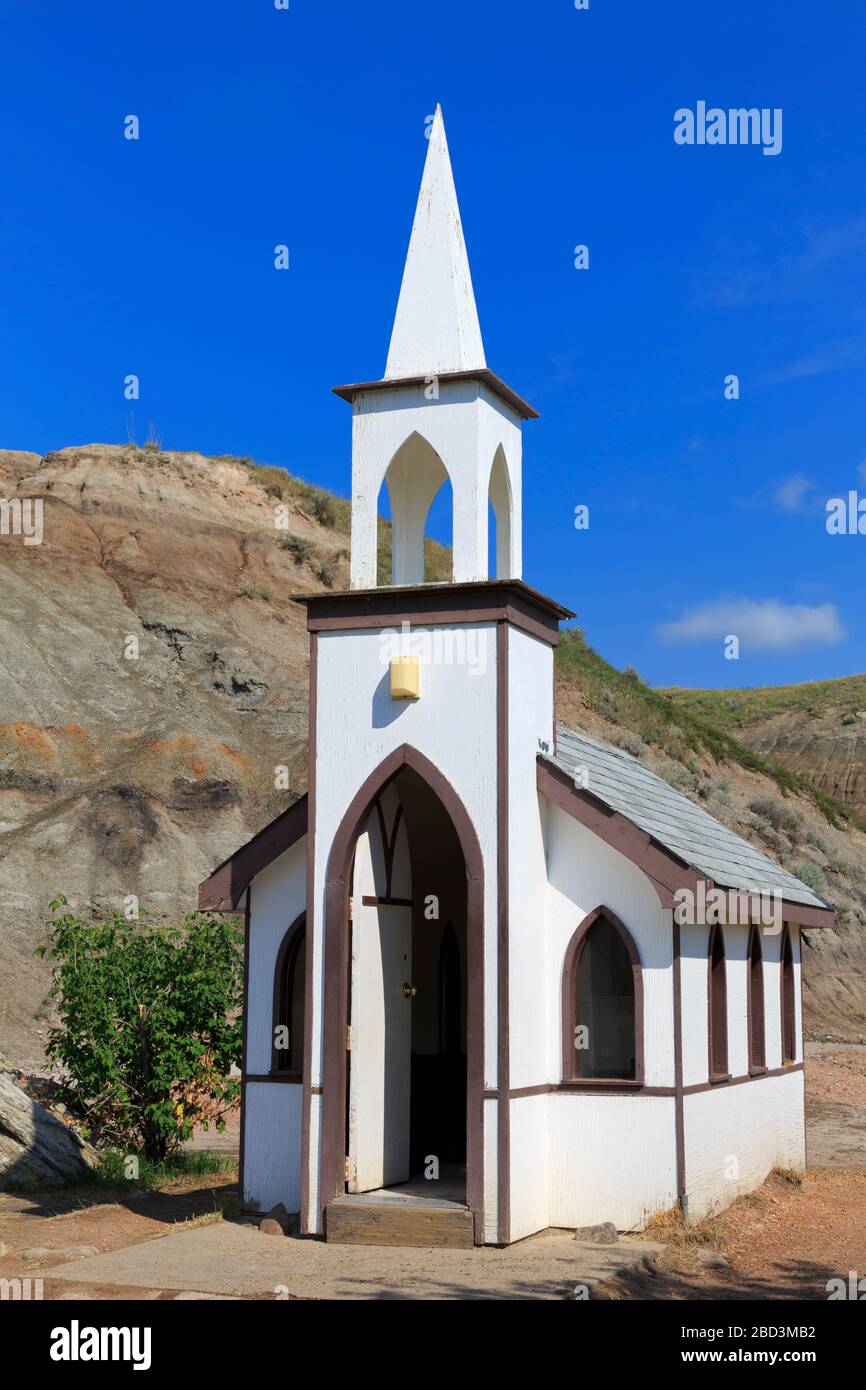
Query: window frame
x,y
788,997
570,974
717,1002
756,1004
281,1013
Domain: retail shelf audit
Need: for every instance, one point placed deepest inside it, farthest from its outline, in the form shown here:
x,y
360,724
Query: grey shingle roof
x,y
625,785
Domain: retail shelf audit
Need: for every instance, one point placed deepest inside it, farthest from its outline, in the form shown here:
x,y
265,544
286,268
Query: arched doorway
x,y
383,1107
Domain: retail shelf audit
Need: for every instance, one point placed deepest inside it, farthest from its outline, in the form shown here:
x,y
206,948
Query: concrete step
x,y
359,1221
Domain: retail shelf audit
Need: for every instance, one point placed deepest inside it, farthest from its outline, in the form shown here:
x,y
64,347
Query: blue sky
x,y
306,127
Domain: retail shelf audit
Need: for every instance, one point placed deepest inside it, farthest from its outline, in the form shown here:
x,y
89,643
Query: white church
x,y
489,985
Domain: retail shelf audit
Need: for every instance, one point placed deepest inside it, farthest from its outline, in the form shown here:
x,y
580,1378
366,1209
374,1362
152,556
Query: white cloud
x,y
761,624
791,494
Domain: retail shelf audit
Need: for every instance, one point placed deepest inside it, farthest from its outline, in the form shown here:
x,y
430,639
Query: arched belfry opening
x,y
414,477
501,520
439,416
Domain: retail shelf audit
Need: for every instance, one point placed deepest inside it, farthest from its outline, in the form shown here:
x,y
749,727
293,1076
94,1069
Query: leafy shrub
x,y
321,506
148,1025
714,789
629,742
325,574
780,815
681,778
810,874
256,591
298,547
849,718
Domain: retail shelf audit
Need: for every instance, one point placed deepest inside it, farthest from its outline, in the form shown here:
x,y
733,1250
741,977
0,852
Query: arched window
x,y
755,1003
289,1000
789,1015
602,1003
718,1006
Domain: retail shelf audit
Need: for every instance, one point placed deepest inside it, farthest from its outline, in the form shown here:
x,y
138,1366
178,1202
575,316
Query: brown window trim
x,y
717,1000
787,999
600,1083
757,1061
278,1072
720,1078
285,1078
569,1006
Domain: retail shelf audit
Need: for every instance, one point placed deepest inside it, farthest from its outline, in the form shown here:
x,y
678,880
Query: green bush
x,y
810,874
682,779
780,815
148,1026
298,547
321,506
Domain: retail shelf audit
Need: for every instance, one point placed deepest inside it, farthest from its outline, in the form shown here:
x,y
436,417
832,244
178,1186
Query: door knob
x,y
409,991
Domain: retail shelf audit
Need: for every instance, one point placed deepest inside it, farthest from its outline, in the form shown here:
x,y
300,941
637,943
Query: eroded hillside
x,y
153,678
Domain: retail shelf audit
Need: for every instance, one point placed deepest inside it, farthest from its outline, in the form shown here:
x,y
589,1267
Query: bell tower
x,y
439,414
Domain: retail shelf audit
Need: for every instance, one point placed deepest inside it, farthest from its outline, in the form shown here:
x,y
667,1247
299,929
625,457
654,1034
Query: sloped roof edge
x,y
225,887
666,834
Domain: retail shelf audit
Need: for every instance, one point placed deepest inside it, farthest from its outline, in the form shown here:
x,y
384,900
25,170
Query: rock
x,y
36,1150
58,1252
270,1227
4,1249
603,1234
711,1259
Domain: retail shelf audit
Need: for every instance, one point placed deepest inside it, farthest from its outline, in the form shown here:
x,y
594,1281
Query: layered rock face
x,y
153,675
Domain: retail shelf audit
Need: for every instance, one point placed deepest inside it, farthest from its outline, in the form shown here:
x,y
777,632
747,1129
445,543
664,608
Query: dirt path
x,y
786,1241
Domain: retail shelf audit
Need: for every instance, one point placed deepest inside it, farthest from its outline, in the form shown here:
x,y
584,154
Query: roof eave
x,y
667,871
223,890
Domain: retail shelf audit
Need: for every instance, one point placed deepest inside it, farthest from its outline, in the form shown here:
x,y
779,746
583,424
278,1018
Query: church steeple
x,y
436,328
439,414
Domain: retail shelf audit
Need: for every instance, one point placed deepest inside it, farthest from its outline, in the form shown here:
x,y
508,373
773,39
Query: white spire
x,y
436,328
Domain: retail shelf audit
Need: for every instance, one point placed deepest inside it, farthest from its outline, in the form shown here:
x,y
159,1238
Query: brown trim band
x,y
244,1032
583,1088
578,1088
481,600
276,1078
678,1066
484,375
387,902
721,1082
314,934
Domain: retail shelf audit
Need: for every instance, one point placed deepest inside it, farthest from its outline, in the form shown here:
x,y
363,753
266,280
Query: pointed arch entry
x,y
336,969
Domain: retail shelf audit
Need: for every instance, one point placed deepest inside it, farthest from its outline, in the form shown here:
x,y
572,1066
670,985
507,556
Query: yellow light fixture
x,y
406,678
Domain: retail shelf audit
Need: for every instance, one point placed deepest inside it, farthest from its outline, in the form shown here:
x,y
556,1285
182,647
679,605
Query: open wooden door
x,y
381,1034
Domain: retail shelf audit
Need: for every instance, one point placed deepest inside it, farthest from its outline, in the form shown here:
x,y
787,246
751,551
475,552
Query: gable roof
x,y
225,887
675,823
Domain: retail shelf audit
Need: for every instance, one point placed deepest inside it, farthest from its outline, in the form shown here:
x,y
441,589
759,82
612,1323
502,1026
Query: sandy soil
x,y
783,1242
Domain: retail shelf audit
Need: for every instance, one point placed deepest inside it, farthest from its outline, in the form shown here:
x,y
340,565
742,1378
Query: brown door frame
x,y
335,1014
